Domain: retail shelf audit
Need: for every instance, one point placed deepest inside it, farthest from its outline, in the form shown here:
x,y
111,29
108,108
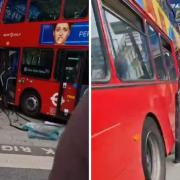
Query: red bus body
x,y
119,110
27,35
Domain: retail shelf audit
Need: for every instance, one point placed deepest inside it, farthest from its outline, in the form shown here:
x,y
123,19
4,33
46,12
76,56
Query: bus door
x,y
9,59
73,66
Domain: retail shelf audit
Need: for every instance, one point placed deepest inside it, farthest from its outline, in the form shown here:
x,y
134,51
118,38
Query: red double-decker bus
x,y
134,86
44,54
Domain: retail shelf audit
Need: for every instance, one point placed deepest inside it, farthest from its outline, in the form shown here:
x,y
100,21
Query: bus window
x,y
44,10
37,62
68,65
156,53
1,5
125,12
178,58
99,68
168,59
131,57
15,11
77,10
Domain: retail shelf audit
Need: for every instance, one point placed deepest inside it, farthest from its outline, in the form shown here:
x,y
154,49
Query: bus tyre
x,y
153,151
30,103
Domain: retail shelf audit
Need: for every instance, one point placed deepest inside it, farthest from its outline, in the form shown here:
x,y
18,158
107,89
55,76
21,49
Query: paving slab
x,y
173,169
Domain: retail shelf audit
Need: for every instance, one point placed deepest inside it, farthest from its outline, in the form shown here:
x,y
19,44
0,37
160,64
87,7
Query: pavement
x,y
173,169
23,174
23,158
12,135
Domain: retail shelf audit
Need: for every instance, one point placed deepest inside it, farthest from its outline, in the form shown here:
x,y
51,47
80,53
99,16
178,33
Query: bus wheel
x,y
153,151
30,103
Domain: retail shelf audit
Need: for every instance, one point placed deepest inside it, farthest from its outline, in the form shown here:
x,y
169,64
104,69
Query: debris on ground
x,y
52,124
43,131
16,119
47,130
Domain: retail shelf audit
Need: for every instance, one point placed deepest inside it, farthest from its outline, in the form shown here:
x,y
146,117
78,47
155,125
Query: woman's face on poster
x,y
61,33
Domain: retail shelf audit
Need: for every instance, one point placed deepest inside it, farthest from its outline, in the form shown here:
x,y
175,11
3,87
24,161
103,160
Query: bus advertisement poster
x,y
65,34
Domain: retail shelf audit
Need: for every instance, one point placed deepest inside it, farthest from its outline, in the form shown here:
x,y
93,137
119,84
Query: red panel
x,y
118,115
69,98
19,35
46,90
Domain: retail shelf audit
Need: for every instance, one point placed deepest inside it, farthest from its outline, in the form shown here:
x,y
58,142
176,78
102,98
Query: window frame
x,y
53,20
103,45
27,13
105,8
162,37
3,12
63,13
64,50
161,52
36,76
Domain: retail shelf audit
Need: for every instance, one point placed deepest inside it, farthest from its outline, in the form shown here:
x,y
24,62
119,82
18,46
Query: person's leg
x,y
71,159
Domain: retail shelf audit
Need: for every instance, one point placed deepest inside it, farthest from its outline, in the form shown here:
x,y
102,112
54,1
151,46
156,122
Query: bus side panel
x,y
18,35
47,90
118,115
68,98
113,127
